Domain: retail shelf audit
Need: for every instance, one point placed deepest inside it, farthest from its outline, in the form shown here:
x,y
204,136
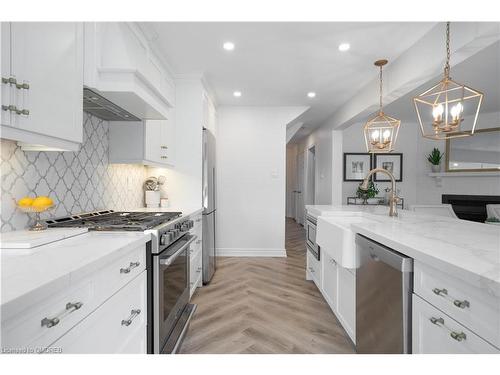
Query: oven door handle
x,y
170,259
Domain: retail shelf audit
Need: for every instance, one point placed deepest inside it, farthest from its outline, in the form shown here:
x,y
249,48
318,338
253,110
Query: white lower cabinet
x,y
338,287
434,332
196,254
117,326
346,309
313,270
330,281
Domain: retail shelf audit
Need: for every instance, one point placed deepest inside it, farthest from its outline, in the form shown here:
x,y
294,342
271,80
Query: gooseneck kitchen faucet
x,y
393,200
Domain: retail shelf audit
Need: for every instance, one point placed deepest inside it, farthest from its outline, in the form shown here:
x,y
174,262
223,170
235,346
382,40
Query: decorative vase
x,y
436,168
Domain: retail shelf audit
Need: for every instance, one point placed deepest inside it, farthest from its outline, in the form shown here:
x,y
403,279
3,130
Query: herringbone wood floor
x,y
264,305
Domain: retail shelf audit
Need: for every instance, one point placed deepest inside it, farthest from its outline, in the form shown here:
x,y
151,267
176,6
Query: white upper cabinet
x,y
42,80
121,65
151,142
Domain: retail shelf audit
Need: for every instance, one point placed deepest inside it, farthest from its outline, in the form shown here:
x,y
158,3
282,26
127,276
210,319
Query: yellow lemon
x,y
41,203
25,202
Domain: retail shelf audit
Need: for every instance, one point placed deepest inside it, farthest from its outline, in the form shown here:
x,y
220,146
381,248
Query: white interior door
x,y
299,194
310,180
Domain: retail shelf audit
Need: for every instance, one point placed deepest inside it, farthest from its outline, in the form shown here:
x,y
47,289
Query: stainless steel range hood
x,y
97,105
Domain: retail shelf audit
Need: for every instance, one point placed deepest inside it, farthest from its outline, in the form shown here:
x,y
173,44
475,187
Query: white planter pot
x,y
436,168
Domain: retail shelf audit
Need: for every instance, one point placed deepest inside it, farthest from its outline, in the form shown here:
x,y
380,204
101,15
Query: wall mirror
x,y
481,152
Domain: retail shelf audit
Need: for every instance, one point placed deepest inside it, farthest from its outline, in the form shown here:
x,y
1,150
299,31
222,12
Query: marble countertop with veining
x,y
467,250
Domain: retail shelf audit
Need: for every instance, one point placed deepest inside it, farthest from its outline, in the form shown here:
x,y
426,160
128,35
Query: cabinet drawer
x,y
120,272
30,329
197,229
467,304
195,269
43,323
314,269
436,333
195,247
117,326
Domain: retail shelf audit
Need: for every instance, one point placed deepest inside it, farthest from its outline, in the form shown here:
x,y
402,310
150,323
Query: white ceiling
x,y
480,71
277,63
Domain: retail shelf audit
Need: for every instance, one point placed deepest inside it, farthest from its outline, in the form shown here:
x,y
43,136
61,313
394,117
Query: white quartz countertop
x,y
29,240
467,250
60,264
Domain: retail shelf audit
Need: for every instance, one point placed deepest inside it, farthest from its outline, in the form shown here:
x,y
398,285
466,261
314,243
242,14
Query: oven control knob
x,y
163,239
184,227
175,233
191,223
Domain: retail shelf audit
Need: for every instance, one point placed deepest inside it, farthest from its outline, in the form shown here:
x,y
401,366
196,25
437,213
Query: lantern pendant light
x,y
449,109
381,131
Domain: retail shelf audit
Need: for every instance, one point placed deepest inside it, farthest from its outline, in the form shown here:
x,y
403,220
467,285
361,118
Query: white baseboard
x,y
242,252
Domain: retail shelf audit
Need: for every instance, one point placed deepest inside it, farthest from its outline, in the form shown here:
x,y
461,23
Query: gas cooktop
x,y
110,220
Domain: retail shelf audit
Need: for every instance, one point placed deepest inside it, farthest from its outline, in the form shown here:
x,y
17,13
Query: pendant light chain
x,y
380,96
447,65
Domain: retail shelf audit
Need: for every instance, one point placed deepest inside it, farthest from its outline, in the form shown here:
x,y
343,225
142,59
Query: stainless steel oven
x,y
312,246
170,285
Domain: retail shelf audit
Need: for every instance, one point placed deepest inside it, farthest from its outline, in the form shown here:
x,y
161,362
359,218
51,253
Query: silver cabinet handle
x,y
440,292
164,157
459,336
461,304
130,267
437,321
70,307
164,147
22,86
9,81
13,108
133,315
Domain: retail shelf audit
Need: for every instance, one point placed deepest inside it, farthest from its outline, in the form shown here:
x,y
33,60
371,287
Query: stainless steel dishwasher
x,y
384,284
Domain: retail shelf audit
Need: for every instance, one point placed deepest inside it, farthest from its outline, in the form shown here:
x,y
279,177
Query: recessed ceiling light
x,y
237,94
311,94
228,46
344,47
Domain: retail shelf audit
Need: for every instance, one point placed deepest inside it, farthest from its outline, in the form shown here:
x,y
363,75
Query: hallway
x,y
265,305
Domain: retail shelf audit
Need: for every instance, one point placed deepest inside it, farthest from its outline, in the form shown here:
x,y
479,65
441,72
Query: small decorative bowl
x,y
35,214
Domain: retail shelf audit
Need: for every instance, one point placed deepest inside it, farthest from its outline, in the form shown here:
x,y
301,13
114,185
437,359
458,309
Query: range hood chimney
x,y
97,105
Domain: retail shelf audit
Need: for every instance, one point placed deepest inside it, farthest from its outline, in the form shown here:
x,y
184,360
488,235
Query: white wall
x,y
322,140
251,183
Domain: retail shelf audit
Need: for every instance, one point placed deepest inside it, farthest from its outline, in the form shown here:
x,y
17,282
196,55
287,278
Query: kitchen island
x,y
456,272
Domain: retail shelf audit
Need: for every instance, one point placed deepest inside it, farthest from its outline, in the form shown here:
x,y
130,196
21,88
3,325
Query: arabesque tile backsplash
x,y
77,181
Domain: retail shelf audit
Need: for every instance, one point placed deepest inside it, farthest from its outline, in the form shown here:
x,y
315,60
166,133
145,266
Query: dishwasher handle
x,y
380,253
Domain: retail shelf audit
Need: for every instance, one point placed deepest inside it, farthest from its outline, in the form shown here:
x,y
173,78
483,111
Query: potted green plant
x,y
370,193
435,158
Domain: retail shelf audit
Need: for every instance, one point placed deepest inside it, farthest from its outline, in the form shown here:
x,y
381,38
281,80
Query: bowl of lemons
x,y
35,206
